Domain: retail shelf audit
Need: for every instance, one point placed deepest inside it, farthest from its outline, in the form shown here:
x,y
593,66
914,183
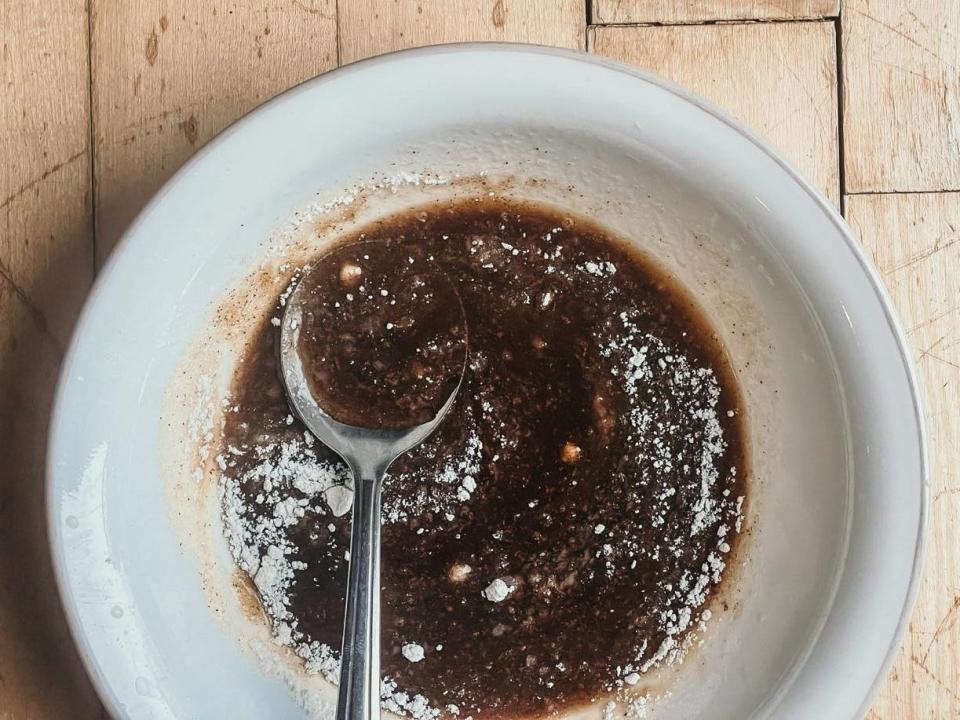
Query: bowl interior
x,y
836,500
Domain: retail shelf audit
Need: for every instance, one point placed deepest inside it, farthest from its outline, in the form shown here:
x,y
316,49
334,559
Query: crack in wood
x,y
35,313
40,178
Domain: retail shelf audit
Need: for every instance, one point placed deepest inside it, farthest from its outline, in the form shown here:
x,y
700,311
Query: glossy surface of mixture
x,y
563,530
382,343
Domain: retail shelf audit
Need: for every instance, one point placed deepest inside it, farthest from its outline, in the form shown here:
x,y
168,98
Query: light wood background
x,y
101,100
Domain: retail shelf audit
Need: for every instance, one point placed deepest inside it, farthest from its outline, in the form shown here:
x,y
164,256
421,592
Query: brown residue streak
x,y
189,129
498,16
247,596
336,222
333,222
153,48
242,304
136,84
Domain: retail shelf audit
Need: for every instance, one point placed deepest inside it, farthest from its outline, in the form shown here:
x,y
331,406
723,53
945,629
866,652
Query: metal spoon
x,y
368,453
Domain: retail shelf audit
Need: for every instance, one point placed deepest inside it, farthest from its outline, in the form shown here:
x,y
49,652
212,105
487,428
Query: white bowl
x,y
839,488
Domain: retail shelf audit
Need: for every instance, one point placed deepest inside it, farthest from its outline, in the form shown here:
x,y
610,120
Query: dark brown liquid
x,y
382,340
600,429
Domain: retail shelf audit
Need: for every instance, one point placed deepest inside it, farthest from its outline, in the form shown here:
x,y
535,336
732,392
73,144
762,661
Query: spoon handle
x,y
359,694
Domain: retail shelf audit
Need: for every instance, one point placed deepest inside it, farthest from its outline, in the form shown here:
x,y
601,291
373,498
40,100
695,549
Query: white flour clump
x,y
280,241
340,499
293,481
455,483
654,375
497,591
401,703
412,652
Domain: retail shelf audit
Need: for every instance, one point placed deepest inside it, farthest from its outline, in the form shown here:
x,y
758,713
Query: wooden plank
x,y
166,78
41,675
372,27
45,269
901,116
44,159
695,11
780,79
915,242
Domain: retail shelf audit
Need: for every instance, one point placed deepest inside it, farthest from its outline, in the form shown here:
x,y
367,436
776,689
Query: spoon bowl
x,y
368,452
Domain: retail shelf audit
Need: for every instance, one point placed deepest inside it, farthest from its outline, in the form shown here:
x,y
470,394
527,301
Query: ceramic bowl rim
x,y
115,261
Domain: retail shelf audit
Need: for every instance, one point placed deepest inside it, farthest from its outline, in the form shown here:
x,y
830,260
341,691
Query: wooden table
x,y
101,100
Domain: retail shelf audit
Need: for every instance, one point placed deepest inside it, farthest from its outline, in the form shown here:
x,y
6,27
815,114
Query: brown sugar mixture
x,y
382,342
562,532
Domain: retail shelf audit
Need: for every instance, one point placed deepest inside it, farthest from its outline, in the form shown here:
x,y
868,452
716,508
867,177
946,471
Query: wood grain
x,y
372,27
901,76
915,242
698,11
780,79
45,170
45,270
168,76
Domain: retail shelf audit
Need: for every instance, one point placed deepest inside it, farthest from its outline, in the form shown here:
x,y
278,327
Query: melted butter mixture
x,y
382,342
563,531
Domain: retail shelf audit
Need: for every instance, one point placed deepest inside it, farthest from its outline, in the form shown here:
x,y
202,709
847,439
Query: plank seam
x,y
946,191
729,21
91,140
841,149
336,11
